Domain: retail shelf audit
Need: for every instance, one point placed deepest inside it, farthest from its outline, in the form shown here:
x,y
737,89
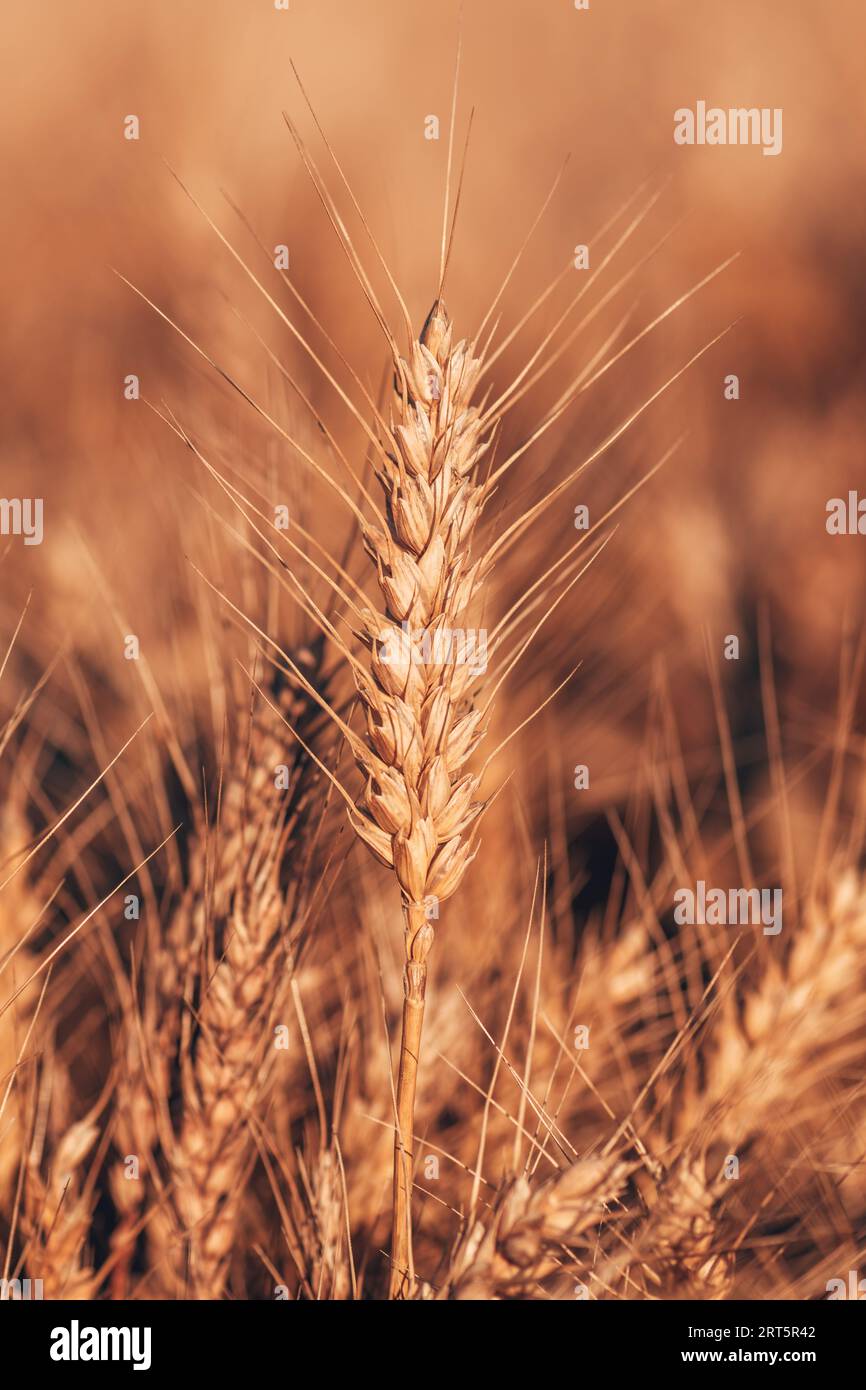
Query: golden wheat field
x,y
432,707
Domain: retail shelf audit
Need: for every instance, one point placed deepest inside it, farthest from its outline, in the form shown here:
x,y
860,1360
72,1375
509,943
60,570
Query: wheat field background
x,y
207,981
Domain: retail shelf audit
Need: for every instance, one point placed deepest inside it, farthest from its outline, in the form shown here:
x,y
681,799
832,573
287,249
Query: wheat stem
x,y
419,939
422,722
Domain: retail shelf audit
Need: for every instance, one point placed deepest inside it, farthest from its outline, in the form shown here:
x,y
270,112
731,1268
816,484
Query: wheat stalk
x,y
418,803
19,911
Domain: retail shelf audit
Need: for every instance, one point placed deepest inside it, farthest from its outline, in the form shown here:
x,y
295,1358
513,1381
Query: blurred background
x,y
737,515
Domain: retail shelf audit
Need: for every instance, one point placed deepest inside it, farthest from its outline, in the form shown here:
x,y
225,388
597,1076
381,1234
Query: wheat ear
x,y
250,952
508,1253
59,1195
765,1056
421,724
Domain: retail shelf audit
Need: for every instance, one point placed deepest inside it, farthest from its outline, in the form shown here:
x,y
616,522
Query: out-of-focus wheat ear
x,y
140,1098
325,1236
59,1195
151,1005
680,1244
318,1196
507,1253
255,926
794,1021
